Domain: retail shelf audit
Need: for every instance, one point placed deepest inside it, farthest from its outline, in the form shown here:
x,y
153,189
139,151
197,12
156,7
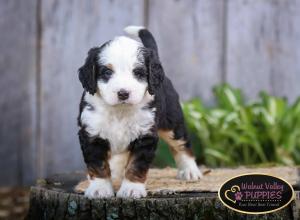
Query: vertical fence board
x,y
286,50
249,37
17,91
263,46
70,29
190,40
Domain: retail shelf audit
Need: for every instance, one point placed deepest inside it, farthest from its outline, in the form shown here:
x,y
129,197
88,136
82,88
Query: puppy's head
x,y
122,71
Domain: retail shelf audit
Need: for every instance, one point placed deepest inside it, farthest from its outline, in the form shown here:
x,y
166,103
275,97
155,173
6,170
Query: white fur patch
x,y
99,188
120,125
130,189
124,55
187,167
133,30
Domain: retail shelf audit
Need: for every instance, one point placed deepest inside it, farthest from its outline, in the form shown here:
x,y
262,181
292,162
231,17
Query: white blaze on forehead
x,y
122,53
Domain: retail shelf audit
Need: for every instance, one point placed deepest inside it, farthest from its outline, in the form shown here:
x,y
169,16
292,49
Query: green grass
x,y
233,132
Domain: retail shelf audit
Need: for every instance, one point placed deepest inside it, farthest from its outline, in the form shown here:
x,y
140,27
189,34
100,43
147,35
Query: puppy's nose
x,y
123,94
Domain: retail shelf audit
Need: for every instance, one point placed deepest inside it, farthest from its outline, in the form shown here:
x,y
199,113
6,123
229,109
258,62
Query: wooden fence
x,y
252,44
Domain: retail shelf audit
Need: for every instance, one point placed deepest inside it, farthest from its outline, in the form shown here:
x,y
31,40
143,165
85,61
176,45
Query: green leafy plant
x,y
234,132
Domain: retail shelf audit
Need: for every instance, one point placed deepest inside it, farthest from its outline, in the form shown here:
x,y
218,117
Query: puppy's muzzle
x,y
123,95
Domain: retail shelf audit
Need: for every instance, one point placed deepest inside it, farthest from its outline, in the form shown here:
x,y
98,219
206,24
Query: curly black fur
x,y
143,152
95,152
155,70
89,71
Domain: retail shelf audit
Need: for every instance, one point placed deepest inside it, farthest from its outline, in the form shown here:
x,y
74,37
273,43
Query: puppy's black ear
x,y
156,73
89,71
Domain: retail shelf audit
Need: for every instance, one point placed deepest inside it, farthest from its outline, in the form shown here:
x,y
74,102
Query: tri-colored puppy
x,y
127,104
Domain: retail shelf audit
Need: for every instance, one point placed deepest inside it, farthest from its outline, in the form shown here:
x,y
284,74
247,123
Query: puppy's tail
x,y
145,35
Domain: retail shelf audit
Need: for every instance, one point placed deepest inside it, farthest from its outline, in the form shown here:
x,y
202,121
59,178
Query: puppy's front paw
x,y
99,188
189,170
130,189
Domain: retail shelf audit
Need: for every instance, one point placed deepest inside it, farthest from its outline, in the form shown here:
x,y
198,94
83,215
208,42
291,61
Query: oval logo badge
x,y
256,193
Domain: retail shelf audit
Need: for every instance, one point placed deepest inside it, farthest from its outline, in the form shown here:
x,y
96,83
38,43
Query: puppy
x,y
128,103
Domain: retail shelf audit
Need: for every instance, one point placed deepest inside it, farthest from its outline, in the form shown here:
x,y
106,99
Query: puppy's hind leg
x,y
183,155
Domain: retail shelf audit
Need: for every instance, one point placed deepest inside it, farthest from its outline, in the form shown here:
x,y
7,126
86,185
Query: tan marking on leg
x,y
82,186
176,146
132,174
100,172
117,164
184,158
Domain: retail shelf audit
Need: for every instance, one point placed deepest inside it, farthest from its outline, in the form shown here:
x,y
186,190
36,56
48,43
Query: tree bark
x,y
55,199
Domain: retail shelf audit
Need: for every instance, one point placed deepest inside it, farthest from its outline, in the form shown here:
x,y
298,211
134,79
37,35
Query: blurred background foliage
x,y
234,132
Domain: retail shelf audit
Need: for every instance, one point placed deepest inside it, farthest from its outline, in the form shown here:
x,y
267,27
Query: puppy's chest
x,y
119,128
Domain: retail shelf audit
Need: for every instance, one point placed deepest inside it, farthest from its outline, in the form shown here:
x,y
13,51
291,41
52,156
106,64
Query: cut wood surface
x,y
168,198
164,182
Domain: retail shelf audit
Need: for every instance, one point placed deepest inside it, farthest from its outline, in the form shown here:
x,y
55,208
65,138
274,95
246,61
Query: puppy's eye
x,y
140,73
107,72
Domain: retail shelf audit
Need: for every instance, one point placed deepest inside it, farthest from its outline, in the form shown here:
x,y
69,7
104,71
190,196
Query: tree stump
x,y
168,198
